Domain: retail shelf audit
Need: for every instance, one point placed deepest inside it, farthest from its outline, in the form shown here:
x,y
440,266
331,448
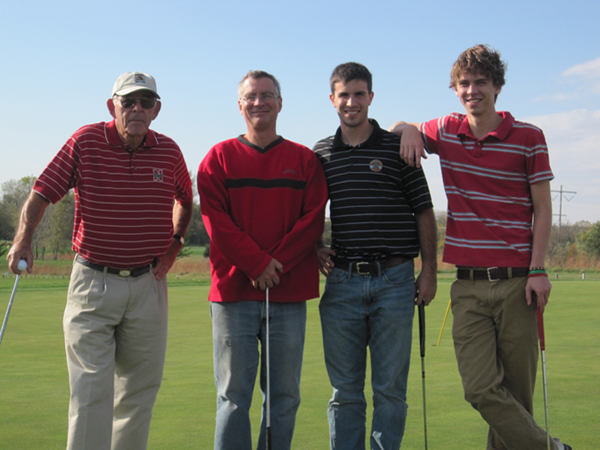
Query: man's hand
x,y
325,263
426,287
166,262
538,288
411,143
18,252
269,278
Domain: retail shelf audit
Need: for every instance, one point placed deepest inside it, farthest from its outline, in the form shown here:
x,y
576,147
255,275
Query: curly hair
x,y
481,59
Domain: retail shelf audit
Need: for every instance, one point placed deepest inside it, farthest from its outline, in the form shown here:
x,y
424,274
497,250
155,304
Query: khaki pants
x,y
496,345
115,337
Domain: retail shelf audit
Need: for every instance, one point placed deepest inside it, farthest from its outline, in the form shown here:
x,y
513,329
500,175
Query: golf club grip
x,y
421,308
540,323
268,438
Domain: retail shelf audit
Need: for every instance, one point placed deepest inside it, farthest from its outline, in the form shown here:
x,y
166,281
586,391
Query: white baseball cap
x,y
134,81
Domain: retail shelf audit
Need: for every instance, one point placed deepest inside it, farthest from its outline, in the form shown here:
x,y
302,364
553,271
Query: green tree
x,y
14,194
7,228
59,227
196,232
591,240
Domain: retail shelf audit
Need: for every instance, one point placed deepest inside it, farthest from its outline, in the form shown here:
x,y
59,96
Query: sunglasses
x,y
130,102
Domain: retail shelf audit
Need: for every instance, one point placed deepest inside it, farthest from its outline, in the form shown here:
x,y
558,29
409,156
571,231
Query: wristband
x,y
537,273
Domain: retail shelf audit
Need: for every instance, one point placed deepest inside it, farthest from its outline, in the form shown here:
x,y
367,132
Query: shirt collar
x,y
499,133
375,137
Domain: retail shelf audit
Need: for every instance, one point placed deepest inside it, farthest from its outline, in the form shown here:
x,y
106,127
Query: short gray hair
x,y
255,75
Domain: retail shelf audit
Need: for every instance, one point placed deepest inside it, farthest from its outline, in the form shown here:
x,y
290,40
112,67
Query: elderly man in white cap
x,y
128,231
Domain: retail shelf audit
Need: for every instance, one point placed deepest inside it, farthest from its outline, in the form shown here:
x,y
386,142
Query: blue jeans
x,y
360,311
237,328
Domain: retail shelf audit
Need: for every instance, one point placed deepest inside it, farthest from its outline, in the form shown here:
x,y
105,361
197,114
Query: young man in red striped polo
x,y
127,233
497,176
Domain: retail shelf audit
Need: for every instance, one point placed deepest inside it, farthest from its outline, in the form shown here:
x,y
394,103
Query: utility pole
x,y
561,195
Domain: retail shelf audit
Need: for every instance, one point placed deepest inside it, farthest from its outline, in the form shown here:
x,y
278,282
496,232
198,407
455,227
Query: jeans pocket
x,y
337,276
399,275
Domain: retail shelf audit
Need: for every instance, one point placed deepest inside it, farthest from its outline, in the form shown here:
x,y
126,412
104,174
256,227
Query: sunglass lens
x,y
146,102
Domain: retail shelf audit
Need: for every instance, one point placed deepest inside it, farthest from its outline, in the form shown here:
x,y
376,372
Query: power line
x,y
561,196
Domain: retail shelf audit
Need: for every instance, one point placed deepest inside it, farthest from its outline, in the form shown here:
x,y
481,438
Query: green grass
x,y
34,387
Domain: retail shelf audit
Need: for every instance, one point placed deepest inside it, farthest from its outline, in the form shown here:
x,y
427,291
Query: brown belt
x,y
370,268
491,273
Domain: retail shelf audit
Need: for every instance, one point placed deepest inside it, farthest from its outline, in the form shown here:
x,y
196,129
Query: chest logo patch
x,y
376,165
158,175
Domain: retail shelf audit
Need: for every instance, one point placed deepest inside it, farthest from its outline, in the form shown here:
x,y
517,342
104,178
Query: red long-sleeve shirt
x,y
258,204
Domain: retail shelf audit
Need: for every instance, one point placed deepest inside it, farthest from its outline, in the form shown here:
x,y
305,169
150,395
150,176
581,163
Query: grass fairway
x,y
34,387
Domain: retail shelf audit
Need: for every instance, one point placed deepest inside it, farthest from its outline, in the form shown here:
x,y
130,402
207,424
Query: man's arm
x,y
308,228
426,284
182,214
411,142
238,248
542,224
31,214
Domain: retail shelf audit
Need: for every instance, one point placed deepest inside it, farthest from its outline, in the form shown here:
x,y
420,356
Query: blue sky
x,y
60,60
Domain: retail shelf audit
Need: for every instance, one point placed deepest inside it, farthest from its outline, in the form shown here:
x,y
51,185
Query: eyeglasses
x,y
130,102
263,97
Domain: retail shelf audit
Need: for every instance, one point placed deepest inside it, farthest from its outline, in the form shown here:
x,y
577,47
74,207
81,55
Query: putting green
x,y
34,392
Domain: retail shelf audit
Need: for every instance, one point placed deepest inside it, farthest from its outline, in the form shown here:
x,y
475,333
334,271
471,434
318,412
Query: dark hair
x,y
351,71
255,75
480,59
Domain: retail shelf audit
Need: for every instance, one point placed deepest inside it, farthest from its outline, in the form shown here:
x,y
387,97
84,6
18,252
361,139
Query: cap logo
x,y
139,78
376,165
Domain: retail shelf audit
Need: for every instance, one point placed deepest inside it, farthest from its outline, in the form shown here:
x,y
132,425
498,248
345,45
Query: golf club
x,y
268,396
22,266
540,322
421,308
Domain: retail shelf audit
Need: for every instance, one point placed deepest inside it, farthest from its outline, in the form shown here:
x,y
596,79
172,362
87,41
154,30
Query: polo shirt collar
x,y
112,137
500,133
375,138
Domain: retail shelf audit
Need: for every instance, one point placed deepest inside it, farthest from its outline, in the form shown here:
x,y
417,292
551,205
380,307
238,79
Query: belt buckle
x,y
358,271
490,275
124,273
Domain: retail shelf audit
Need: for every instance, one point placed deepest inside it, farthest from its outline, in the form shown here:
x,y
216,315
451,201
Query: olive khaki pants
x,y
496,345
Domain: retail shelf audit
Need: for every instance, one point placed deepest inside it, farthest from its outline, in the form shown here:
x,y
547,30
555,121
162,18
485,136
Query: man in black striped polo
x,y
382,216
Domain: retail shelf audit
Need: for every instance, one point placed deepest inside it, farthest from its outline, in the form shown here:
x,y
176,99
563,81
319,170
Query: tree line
x,y
570,246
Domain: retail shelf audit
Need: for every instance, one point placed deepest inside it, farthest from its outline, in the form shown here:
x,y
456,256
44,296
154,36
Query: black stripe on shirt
x,y
236,183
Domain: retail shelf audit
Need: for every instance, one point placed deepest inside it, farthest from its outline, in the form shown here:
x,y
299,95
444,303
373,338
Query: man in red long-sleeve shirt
x,y
263,201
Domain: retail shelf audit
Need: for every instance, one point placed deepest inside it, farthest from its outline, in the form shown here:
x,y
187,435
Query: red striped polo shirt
x,y
487,182
123,199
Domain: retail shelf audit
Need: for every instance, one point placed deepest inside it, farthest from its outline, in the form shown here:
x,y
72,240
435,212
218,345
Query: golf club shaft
x,y
542,337
268,394
421,308
12,297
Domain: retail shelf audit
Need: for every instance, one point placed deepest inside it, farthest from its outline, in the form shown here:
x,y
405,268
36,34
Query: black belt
x,y
136,272
369,268
491,273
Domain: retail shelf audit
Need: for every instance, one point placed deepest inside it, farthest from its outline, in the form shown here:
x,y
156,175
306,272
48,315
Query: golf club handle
x,y
268,438
540,324
421,308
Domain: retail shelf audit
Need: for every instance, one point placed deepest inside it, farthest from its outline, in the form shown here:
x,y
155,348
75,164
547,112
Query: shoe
x,y
561,445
